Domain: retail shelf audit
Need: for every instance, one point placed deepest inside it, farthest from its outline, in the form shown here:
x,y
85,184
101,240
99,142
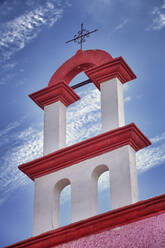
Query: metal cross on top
x,y
80,37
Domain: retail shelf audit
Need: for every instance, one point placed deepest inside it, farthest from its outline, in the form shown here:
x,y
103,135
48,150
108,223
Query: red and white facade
x,y
81,164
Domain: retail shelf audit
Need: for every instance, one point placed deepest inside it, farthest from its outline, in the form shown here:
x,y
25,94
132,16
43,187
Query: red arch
x,y
81,61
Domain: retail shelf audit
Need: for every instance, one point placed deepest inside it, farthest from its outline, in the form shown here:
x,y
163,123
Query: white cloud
x,y
127,87
9,128
121,25
6,77
153,155
159,138
84,117
15,34
127,99
18,148
20,23
150,157
103,181
158,14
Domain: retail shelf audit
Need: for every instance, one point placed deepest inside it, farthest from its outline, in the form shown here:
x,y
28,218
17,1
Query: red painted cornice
x,y
115,68
58,92
127,135
99,223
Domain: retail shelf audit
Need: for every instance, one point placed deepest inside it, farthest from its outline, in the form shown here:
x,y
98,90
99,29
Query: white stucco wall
x,y
120,162
123,187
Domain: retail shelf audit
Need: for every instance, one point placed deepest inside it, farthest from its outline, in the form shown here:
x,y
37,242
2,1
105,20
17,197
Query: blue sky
x,y
32,47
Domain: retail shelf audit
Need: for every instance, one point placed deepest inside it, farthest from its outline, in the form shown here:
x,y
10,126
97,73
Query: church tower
x,y
81,164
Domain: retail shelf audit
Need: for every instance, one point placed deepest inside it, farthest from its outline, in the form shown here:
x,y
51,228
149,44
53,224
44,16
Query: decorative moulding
x,y
127,135
99,223
58,92
115,68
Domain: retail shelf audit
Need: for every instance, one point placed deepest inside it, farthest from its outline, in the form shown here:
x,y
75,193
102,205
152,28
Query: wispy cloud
x,y
83,121
18,147
127,99
158,139
21,22
152,156
121,25
84,117
103,182
9,128
18,32
158,15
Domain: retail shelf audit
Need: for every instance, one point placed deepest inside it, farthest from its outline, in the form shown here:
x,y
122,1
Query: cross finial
x,y
81,35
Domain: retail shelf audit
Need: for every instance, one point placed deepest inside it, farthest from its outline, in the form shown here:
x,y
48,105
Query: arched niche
x,y
103,189
101,175
56,206
65,205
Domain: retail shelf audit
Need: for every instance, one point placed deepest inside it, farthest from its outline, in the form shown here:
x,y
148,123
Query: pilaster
x,y
54,127
112,104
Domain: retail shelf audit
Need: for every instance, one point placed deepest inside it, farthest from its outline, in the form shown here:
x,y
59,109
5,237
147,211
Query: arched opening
x,y
101,180
81,61
65,206
61,203
103,188
84,114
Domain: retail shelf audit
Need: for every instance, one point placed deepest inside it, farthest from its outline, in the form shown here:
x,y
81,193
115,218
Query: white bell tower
x,y
81,164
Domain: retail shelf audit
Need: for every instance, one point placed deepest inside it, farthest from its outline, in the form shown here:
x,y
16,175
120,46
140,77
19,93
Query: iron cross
x,y
81,35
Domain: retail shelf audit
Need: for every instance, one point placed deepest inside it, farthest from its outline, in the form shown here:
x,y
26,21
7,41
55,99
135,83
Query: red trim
x,y
81,61
59,92
99,223
116,68
127,135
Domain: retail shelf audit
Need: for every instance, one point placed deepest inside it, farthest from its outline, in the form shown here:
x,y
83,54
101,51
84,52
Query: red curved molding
x,y
115,68
59,92
127,135
99,223
81,61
